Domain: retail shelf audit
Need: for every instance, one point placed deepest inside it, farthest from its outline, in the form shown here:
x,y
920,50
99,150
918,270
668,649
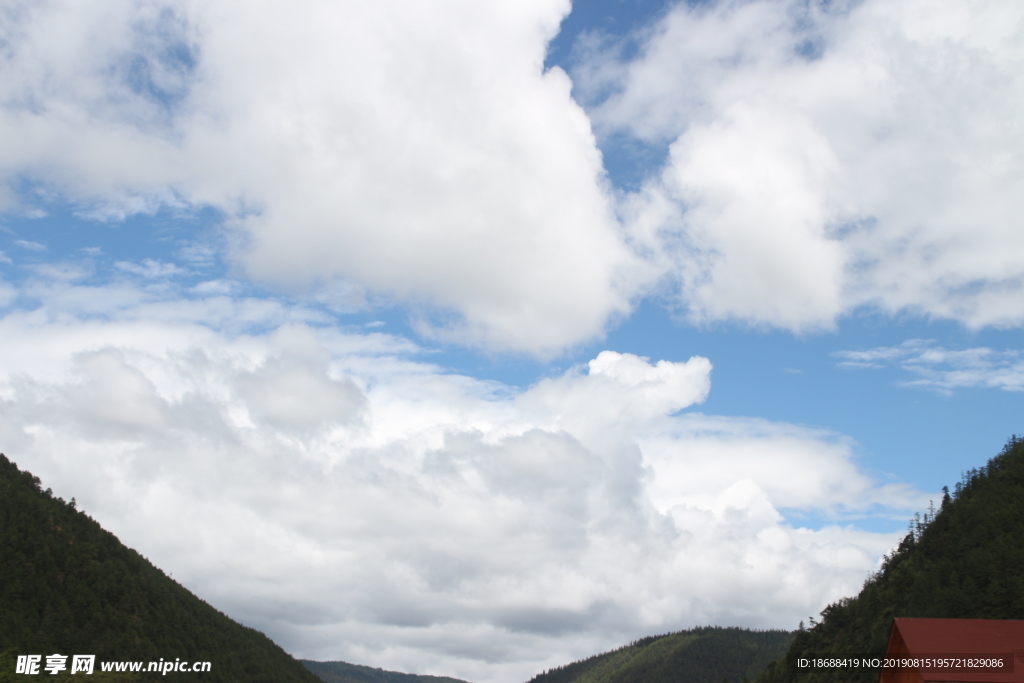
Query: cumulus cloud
x,y
944,369
824,156
695,458
357,502
419,153
821,156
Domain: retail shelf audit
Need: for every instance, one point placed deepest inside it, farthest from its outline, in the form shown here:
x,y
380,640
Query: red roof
x,y
961,636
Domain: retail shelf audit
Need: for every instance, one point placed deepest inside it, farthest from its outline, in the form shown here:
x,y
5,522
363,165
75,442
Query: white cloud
x,y
30,246
358,503
149,268
697,457
944,369
418,152
825,156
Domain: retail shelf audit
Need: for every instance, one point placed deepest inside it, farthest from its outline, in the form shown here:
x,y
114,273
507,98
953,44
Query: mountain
x,y
343,672
67,586
702,655
964,560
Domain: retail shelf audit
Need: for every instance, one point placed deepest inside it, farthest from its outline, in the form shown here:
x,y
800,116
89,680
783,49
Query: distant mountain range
x,y
701,655
343,672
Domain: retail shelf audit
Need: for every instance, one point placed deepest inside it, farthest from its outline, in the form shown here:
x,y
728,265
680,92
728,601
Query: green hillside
x,y
69,587
343,672
963,560
702,655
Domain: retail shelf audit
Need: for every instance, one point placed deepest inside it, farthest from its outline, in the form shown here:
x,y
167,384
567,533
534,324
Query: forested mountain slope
x,y
962,560
69,587
702,655
343,672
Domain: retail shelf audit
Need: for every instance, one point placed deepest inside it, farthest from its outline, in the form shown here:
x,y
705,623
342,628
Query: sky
x,y
472,339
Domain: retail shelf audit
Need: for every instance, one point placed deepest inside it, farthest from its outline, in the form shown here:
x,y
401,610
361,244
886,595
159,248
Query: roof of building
x,y
962,636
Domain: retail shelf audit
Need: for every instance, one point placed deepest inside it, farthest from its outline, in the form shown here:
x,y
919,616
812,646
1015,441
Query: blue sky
x,y
475,340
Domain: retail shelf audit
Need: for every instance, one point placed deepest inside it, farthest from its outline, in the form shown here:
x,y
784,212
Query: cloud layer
x,y
944,369
356,502
824,156
418,154
821,156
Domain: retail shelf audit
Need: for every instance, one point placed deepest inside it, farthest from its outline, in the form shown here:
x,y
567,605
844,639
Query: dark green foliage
x,y
343,672
69,587
964,560
703,655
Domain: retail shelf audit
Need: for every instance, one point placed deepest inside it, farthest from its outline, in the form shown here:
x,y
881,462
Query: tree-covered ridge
x,y
69,587
343,672
702,655
963,560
